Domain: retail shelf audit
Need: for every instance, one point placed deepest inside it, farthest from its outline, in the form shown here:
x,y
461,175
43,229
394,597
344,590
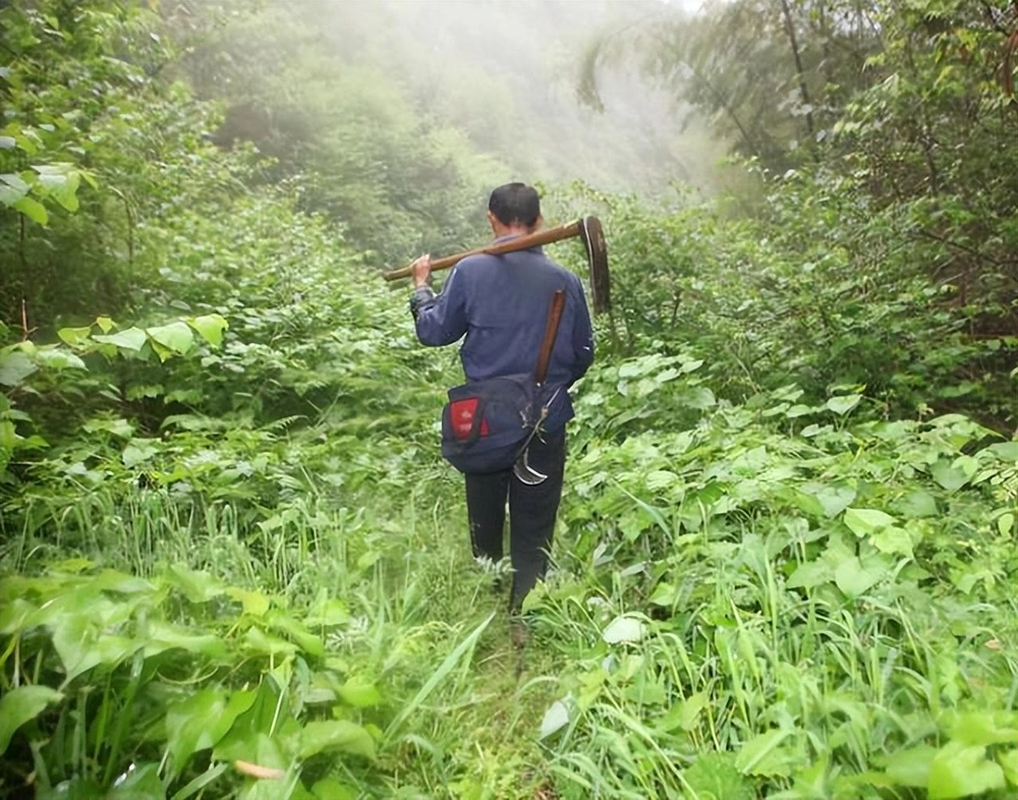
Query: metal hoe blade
x,y
592,235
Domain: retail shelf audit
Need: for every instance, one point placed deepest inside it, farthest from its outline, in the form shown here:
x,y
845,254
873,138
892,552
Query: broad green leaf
x,y
893,540
631,369
283,622
162,351
329,612
200,721
163,636
9,195
698,397
1006,451
105,324
65,191
961,771
865,521
331,789
110,580
834,499
714,776
967,464
20,705
911,767
119,427
12,189
14,614
1005,524
665,594
198,586
32,209
984,728
131,339
810,575
138,451
261,642
14,181
82,646
210,327
338,734
854,579
15,366
806,503
359,693
176,336
917,504
8,438
254,603
842,404
950,477
75,337
623,629
248,738
1008,761
58,359
555,718
28,142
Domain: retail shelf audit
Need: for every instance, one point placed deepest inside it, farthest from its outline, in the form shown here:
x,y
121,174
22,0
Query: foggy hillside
x,y
505,74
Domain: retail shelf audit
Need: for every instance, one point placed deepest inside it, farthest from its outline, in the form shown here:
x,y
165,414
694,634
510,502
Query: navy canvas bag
x,y
486,424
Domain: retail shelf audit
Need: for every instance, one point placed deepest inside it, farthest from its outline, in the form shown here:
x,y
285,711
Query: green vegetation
x,y
232,562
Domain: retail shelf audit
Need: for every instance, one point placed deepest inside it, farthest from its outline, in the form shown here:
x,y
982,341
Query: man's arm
x,y
439,319
583,334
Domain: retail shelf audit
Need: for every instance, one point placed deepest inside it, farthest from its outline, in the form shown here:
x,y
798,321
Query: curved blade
x,y
525,473
592,234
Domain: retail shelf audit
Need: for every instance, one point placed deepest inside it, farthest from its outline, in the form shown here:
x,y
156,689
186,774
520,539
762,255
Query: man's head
x,y
514,208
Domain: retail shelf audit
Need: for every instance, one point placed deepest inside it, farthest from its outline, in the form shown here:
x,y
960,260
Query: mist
x,y
505,76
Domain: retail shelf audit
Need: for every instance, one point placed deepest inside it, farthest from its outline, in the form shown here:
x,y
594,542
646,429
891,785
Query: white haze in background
x,y
506,73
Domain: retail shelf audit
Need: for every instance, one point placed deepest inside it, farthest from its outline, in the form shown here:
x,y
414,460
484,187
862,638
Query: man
x,y
500,303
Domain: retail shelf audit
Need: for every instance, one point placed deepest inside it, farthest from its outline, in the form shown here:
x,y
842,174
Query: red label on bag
x,y
462,413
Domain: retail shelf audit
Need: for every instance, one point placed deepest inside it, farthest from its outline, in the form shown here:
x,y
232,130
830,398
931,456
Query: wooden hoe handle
x,y
520,243
558,300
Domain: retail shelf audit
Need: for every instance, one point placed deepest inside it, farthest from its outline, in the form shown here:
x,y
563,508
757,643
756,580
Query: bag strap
x,y
558,301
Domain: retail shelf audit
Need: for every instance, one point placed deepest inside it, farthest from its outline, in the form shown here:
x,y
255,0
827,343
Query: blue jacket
x,y
501,303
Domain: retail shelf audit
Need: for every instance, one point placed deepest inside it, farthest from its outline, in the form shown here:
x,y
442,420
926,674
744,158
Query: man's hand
x,y
421,270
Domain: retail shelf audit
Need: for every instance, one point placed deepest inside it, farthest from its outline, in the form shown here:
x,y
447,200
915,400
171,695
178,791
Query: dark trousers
x,y
532,511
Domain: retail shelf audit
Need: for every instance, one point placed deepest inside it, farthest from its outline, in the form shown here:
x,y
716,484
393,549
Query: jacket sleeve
x,y
583,334
440,319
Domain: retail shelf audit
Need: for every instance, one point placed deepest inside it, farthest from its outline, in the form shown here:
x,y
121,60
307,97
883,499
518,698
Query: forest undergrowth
x,y
782,597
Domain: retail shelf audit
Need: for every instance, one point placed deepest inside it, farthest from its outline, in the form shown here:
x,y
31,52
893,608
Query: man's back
x,y
501,304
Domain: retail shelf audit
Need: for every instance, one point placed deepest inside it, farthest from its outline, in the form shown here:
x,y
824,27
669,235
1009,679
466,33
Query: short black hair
x,y
515,204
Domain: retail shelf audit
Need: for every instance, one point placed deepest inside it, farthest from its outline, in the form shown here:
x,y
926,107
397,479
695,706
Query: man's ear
x,y
493,221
